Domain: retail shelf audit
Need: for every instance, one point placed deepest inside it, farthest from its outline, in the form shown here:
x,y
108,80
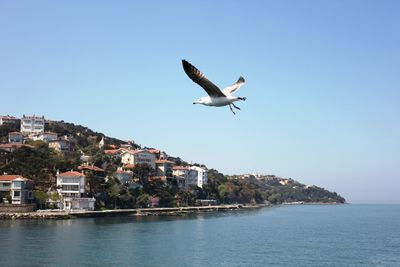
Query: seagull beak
x,y
194,103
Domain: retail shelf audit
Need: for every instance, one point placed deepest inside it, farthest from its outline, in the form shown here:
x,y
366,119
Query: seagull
x,y
216,97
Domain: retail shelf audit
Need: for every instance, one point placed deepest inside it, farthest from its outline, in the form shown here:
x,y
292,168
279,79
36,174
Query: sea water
x,y
303,235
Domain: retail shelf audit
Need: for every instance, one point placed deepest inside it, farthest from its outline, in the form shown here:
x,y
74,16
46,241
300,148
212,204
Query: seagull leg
x,y
232,109
235,106
242,98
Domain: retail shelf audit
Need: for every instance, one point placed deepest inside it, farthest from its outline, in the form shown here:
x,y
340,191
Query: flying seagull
x,y
216,97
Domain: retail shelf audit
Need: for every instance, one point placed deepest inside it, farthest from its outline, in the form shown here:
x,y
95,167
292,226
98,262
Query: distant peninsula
x,y
46,164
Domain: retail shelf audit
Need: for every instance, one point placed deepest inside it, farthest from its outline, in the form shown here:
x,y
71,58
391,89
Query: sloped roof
x,y
90,168
12,177
71,174
160,161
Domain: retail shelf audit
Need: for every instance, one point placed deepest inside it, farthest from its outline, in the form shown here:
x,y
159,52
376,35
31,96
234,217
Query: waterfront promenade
x,y
178,211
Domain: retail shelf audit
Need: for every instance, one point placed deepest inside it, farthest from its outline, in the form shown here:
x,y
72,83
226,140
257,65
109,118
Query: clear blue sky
x,y
322,82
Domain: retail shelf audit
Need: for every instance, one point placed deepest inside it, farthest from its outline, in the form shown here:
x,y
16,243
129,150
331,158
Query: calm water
x,y
342,235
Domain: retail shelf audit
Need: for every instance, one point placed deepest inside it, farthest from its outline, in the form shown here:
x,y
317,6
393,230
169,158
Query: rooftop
x,y
180,168
15,133
90,168
71,174
161,161
12,177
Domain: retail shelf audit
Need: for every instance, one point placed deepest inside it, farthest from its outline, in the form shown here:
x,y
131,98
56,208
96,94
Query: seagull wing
x,y
234,87
199,78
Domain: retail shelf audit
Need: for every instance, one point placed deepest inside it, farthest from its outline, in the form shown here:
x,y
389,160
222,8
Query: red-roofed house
x,y
13,146
114,153
72,183
7,119
19,188
156,152
138,157
159,178
90,168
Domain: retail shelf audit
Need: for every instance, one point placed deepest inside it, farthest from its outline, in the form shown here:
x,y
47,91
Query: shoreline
x,y
179,211
173,211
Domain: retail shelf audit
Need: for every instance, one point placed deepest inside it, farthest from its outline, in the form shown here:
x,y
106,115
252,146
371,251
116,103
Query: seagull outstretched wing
x,y
234,87
199,78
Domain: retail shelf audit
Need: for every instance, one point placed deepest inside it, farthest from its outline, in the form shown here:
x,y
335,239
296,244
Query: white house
x,y
61,145
71,187
202,177
71,184
192,175
134,157
18,187
32,125
46,137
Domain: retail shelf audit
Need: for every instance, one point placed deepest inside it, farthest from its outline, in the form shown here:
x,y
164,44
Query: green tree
x,y
143,172
40,198
143,200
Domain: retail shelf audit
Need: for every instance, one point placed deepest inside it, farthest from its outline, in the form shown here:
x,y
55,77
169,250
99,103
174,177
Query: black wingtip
x,y
185,62
186,66
241,79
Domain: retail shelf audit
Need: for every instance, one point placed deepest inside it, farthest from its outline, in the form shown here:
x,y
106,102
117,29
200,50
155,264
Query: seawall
x,y
123,212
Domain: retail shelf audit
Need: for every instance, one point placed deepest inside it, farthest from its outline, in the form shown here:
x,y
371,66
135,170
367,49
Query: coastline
x,y
179,211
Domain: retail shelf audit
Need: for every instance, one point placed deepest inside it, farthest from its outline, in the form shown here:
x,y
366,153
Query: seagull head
x,y
200,101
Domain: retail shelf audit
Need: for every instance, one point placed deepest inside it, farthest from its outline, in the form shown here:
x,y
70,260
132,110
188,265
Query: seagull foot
x,y
235,106
232,109
242,98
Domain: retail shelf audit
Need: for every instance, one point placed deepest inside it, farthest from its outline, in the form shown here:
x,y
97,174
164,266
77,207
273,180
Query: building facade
x,y
7,120
15,137
71,188
202,177
134,157
187,176
164,168
45,137
71,184
31,125
61,145
19,188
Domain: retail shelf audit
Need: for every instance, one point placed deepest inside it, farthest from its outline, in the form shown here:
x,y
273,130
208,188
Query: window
x,y
17,184
70,187
17,193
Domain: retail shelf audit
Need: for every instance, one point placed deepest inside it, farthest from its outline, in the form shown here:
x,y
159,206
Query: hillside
x,y
40,163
